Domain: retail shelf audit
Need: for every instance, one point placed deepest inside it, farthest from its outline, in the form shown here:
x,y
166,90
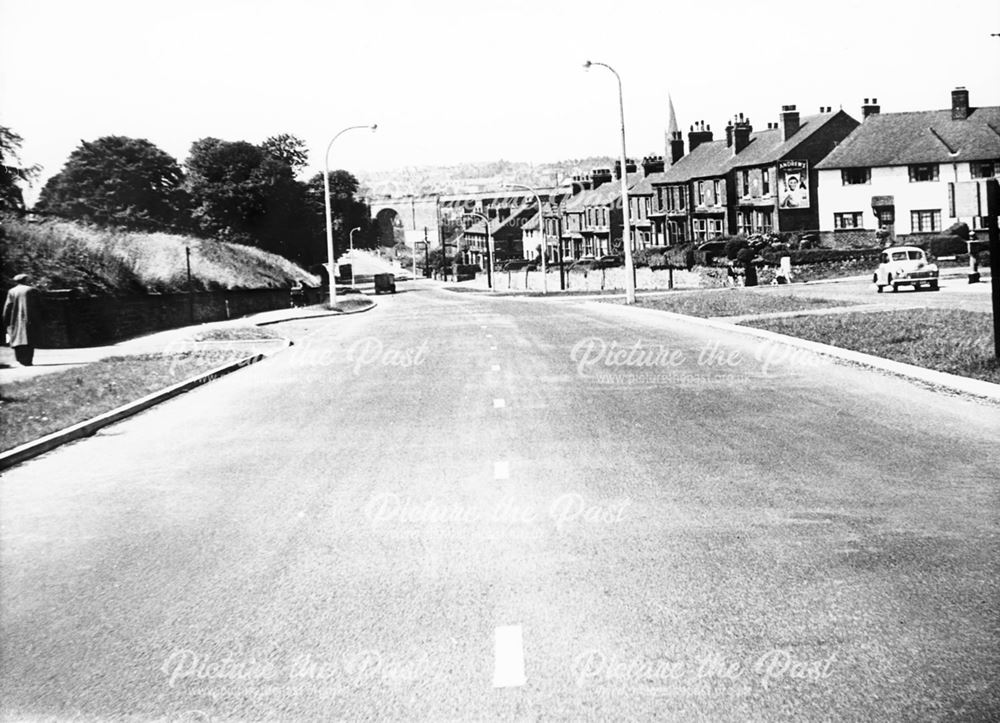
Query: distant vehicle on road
x,y
385,282
905,266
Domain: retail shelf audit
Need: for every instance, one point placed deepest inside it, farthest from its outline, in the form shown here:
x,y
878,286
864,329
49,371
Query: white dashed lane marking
x,y
508,661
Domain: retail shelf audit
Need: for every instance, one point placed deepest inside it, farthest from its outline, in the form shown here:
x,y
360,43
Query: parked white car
x,y
905,266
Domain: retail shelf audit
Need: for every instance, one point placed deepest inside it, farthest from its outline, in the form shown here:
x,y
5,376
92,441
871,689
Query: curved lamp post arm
x,y
626,214
489,247
329,221
541,230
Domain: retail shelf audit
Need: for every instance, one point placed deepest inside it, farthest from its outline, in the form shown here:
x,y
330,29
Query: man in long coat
x,y
20,319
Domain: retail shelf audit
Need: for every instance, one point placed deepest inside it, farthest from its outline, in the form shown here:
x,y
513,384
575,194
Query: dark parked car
x,y
609,262
385,282
517,265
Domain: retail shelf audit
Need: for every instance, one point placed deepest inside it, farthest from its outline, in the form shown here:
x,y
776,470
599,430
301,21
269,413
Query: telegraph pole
x,y
992,212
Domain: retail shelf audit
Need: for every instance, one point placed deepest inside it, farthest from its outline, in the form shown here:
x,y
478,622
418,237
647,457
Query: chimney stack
x,y
600,176
676,147
870,108
741,134
700,133
652,164
959,103
630,167
789,121
729,134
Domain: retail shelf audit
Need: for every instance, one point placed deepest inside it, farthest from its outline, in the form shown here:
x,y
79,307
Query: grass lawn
x,y
948,340
730,302
35,407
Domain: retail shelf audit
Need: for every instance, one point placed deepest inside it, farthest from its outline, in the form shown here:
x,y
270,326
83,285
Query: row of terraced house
x,y
823,174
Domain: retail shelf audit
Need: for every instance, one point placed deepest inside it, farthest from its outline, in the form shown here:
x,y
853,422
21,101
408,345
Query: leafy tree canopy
x,y
244,193
12,173
118,180
288,149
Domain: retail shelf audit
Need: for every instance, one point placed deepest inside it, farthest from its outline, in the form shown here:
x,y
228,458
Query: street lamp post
x,y
489,248
351,236
541,230
626,220
329,220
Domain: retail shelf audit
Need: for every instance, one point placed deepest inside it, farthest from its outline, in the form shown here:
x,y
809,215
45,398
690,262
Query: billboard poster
x,y
793,189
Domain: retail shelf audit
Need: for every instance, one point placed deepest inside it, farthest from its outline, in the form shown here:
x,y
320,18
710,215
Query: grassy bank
x,y
948,340
35,407
94,260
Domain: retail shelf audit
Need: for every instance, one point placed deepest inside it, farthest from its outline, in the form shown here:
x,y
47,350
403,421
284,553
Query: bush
x,y
734,246
815,256
944,245
959,229
681,256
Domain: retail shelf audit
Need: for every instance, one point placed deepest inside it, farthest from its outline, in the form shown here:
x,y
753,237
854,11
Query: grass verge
x,y
35,407
947,340
731,302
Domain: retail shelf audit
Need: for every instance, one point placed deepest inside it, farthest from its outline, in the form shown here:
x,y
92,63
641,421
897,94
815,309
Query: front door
x,y
887,220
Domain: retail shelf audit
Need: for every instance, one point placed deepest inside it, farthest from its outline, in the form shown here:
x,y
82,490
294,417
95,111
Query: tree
x,y
118,180
288,149
346,211
243,193
12,173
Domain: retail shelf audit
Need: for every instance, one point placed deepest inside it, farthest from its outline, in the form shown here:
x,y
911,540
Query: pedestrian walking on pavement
x,y
20,319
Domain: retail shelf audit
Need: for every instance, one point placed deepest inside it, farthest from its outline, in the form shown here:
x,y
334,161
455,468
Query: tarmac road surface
x,y
463,507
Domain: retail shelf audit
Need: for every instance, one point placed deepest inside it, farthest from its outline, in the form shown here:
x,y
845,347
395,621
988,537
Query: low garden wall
x,y
69,320
611,279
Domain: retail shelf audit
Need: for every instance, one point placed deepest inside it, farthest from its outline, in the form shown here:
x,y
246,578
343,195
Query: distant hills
x,y
471,177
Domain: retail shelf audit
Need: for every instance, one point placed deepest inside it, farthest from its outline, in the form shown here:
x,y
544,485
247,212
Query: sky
x,y
464,81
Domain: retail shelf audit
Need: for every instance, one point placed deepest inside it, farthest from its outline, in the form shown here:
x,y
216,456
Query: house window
x,y
765,182
924,172
847,219
677,232
701,193
716,193
763,222
855,176
925,221
983,169
744,222
714,227
699,227
744,184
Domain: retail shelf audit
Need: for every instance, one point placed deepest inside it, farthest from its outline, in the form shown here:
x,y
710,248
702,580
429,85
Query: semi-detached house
x,y
897,171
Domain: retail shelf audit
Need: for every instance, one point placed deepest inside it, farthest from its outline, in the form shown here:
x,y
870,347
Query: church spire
x,y
672,120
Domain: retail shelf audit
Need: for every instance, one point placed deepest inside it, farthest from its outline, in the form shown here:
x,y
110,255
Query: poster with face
x,y
793,178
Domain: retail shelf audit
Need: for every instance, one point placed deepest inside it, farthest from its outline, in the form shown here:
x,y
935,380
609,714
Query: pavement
x,y
176,340
465,507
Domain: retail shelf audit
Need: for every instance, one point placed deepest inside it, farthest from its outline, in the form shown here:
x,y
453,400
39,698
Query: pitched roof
x,y
931,136
706,160
715,158
643,188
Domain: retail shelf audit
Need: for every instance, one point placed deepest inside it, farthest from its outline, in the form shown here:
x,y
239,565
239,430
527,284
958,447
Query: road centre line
x,y
508,657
